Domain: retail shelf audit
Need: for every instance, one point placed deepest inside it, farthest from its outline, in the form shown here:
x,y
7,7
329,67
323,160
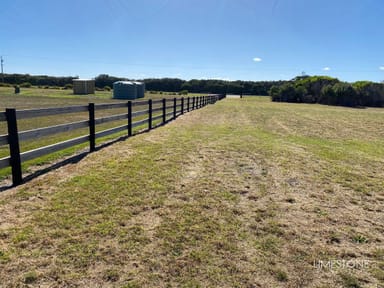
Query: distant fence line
x,y
156,110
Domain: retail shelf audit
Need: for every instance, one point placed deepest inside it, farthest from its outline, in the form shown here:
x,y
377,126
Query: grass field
x,y
31,98
243,193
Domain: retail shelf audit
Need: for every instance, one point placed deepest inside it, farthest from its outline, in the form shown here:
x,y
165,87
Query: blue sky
x,y
223,39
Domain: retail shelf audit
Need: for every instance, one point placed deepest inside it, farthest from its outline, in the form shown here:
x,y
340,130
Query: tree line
x,y
154,84
37,80
196,85
302,89
329,91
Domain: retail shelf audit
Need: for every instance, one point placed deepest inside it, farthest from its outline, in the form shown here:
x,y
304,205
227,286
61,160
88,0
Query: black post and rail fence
x,y
158,112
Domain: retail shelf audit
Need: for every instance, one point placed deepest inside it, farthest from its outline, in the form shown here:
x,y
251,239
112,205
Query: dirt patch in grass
x,y
265,199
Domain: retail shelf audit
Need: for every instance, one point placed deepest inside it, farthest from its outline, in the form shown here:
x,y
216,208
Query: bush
x,y
329,91
345,95
107,88
288,93
301,93
183,92
25,85
327,96
370,93
68,86
274,92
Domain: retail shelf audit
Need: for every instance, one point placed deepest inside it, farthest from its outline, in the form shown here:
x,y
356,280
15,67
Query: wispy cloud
x,y
326,69
381,68
257,59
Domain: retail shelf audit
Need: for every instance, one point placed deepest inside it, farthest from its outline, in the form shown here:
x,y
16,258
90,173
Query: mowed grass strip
x,y
243,193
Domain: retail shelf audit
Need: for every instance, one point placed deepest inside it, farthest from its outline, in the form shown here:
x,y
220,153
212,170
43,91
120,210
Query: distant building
x,y
83,86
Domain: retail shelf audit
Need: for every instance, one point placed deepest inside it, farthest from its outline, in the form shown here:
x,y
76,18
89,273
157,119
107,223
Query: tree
x,y
345,94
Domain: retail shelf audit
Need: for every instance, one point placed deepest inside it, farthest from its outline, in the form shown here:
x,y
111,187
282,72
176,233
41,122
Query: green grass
x,y
243,193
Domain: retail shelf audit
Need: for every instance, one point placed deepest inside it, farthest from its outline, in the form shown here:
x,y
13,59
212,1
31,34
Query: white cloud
x,y
257,59
381,67
326,69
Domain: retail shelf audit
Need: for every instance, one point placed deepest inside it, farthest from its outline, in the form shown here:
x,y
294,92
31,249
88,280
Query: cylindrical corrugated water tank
x,y
140,88
124,90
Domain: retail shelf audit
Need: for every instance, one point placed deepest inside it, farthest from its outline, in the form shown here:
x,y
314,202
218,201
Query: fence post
x,y
14,147
188,104
92,128
193,103
129,118
182,105
164,110
149,114
174,108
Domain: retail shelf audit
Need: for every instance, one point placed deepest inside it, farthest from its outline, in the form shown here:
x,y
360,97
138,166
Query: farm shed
x,y
83,86
140,88
124,90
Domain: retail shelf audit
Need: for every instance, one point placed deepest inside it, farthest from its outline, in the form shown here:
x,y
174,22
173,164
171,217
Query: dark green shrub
x,y
68,86
107,88
274,93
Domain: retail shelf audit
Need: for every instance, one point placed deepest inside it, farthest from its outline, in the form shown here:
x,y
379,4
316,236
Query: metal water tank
x,y
140,88
124,90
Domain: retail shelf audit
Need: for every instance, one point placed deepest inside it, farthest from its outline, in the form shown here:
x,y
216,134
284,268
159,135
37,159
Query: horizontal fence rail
x,y
147,112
